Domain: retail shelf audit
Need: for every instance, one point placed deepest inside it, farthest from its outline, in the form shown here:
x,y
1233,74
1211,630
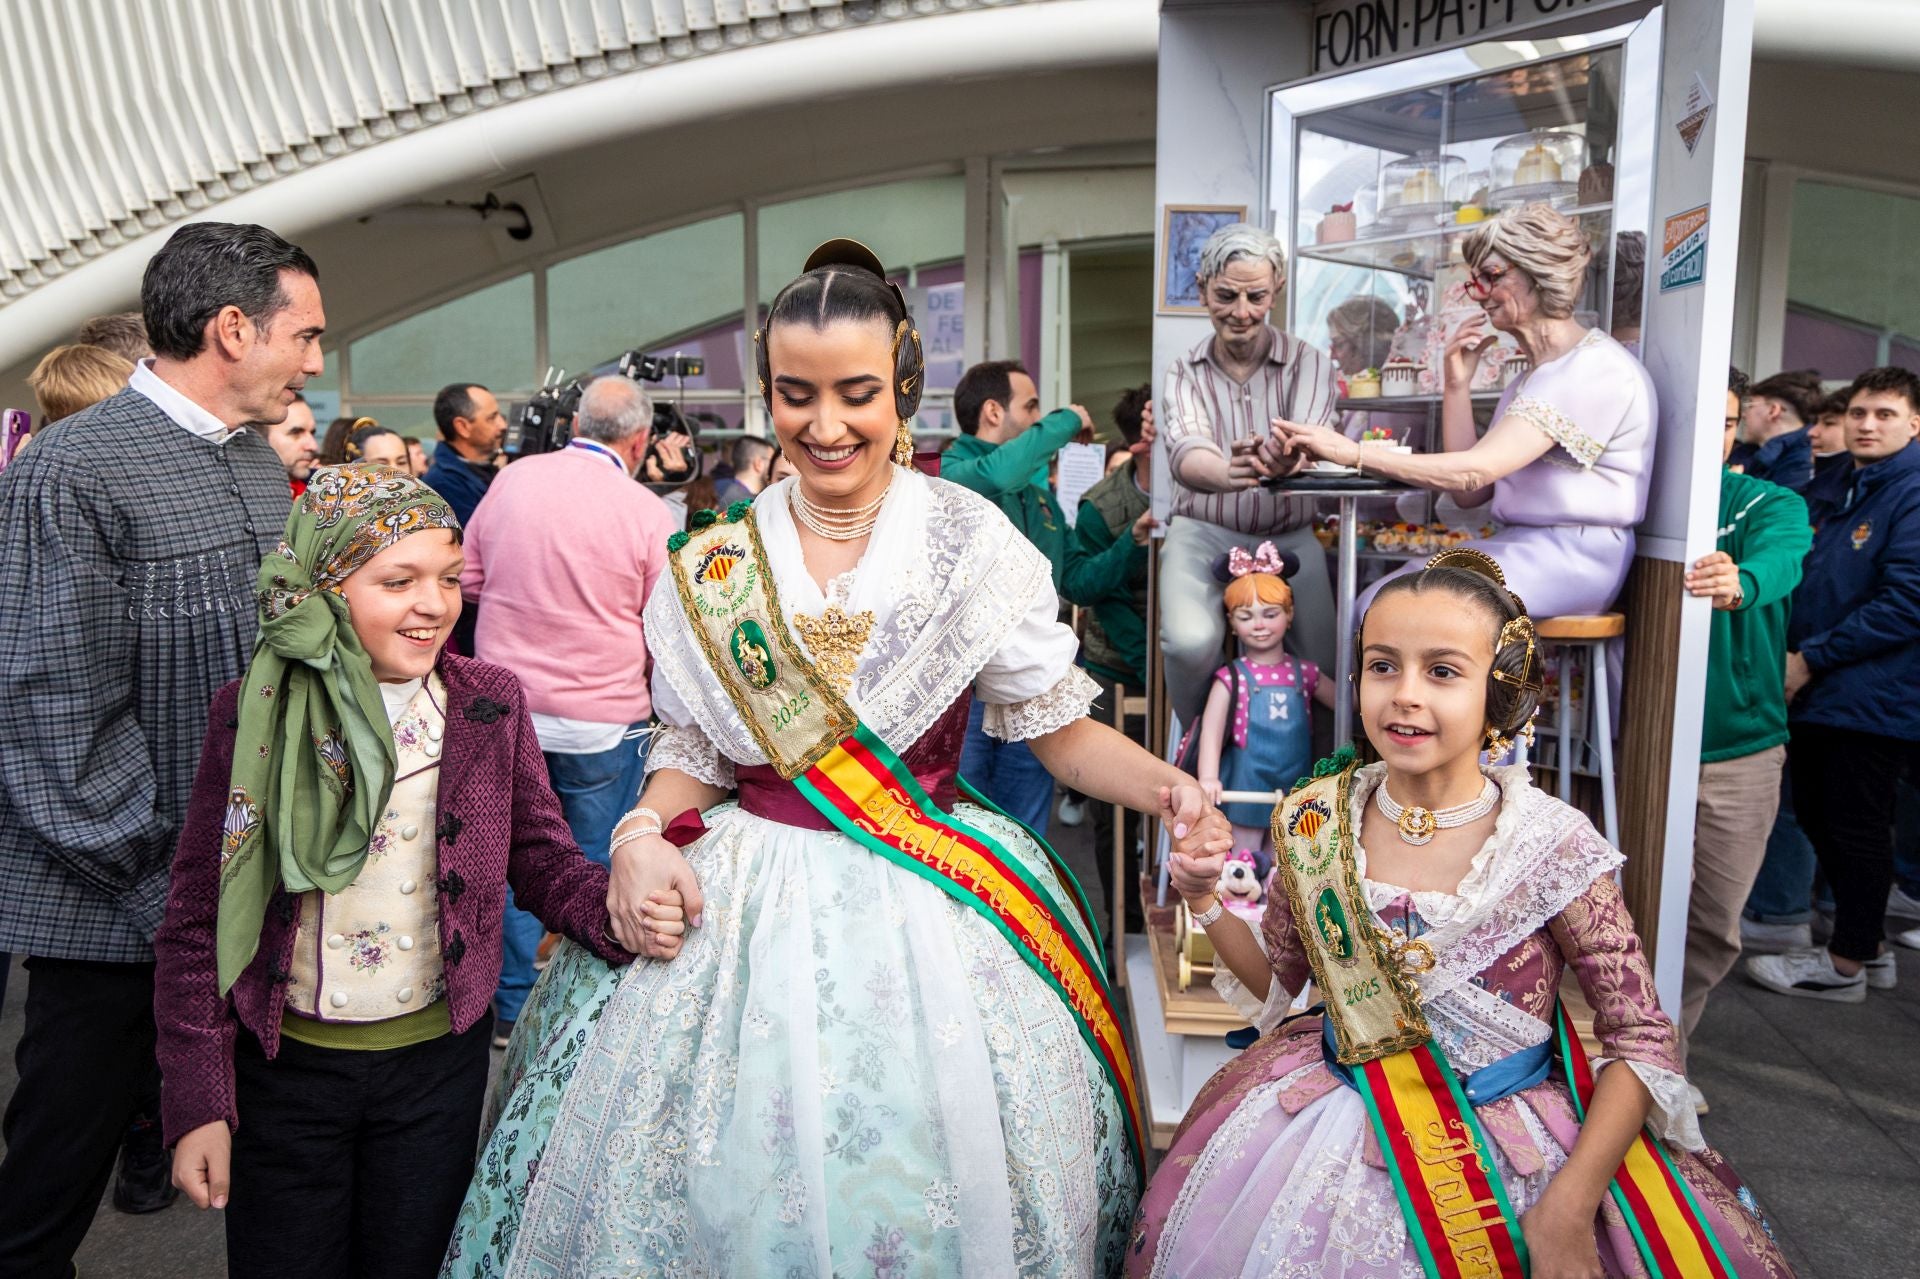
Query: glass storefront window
x,y
1853,280
908,224
678,290
484,337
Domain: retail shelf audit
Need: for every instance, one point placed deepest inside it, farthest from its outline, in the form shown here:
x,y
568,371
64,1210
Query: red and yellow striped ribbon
x,y
1669,1228
868,794
1450,1193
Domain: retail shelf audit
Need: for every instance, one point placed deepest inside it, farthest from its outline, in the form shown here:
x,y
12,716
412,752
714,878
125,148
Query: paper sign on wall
x,y
1695,112
1081,467
1684,256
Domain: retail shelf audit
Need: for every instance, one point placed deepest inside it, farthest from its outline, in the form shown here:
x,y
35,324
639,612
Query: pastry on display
x,y
1467,214
1339,224
1364,385
1416,187
1400,377
1422,188
1514,368
1536,166
1596,183
1540,165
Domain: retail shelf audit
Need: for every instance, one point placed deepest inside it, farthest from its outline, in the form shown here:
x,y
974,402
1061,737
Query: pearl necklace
x,y
1418,824
838,526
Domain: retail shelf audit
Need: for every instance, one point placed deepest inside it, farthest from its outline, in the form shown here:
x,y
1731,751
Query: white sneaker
x,y
1808,974
1902,904
1757,938
1072,811
1881,973
1698,1098
1910,939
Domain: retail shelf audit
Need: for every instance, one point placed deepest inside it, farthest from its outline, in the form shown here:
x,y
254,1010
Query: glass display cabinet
x,y
1374,178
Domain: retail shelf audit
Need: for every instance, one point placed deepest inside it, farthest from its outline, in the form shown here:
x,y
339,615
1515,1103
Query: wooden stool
x,y
1586,637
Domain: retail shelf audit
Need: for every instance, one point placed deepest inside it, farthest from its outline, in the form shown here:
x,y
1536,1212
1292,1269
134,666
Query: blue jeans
x,y
1783,891
1008,773
595,793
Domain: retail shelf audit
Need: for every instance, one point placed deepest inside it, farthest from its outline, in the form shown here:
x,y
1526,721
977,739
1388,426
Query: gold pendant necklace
x,y
1417,825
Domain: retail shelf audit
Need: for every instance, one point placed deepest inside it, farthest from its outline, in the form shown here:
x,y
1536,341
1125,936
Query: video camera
x,y
545,422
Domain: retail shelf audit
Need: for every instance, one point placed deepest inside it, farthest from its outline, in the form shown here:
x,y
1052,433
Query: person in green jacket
x,y
1106,563
1764,537
1106,573
1002,454
1005,447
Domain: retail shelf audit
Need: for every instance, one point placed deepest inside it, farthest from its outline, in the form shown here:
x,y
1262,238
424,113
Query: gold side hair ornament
x,y
1516,630
1513,632
351,449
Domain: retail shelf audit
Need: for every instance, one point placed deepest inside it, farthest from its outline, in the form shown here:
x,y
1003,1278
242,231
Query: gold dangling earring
x,y
1498,746
903,445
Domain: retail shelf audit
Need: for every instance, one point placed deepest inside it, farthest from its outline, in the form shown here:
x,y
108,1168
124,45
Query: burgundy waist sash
x,y
764,793
934,759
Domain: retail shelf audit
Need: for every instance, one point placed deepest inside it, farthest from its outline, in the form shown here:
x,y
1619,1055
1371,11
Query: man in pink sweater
x,y
563,552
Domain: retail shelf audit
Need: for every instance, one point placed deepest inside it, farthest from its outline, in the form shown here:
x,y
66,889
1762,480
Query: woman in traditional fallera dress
x,y
1436,905
884,1045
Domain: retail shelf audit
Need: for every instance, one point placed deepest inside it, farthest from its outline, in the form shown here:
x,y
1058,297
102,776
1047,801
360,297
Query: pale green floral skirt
x,y
845,1073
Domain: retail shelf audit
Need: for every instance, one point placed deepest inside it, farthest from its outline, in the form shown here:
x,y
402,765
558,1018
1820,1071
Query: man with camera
x,y
471,428
563,554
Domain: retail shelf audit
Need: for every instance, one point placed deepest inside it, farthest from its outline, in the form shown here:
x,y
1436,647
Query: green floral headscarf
x,y
313,763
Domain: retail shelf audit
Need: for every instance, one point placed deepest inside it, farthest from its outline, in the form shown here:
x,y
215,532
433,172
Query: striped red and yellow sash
x,y
1443,1172
1669,1228
869,795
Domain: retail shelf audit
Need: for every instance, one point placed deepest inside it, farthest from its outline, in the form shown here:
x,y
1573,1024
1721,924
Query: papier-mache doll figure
x,y
1256,732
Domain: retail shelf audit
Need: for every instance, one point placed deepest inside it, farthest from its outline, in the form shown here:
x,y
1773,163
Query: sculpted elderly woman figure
x,y
1564,465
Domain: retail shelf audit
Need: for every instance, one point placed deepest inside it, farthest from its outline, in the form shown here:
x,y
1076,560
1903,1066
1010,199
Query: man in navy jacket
x,y
1853,662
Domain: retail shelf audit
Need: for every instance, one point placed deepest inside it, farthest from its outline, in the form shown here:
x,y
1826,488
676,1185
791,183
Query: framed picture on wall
x,y
1184,228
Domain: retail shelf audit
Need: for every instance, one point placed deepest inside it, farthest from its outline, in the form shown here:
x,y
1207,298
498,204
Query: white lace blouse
x,y
959,598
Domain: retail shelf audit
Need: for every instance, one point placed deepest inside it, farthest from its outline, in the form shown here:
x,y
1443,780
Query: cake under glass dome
x,y
1544,165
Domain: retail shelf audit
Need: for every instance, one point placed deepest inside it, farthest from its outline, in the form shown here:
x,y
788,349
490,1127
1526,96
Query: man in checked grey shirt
x,y
131,535
1215,412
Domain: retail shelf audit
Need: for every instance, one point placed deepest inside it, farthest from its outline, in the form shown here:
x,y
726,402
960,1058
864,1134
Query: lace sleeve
x,y
1056,708
1558,427
688,750
1596,935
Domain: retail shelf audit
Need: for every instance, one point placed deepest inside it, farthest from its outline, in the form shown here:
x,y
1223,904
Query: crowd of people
x,y
318,752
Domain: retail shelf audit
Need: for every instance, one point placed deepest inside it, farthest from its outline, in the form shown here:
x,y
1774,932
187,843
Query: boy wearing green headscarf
x,y
363,801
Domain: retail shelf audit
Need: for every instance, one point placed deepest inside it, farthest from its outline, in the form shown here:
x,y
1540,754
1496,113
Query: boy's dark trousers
x,y
350,1162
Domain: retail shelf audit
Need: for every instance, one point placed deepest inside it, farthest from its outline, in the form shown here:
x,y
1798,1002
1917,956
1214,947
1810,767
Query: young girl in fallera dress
x,y
1436,904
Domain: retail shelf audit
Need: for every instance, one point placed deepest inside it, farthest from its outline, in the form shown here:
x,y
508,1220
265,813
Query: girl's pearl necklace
x,y
838,526
1418,824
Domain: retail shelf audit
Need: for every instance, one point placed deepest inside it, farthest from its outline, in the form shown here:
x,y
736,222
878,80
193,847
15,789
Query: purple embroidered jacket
x,y
499,821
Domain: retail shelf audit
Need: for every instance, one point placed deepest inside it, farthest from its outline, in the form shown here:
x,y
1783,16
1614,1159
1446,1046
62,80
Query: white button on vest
x,y
432,750
405,994
409,831
406,943
336,941
435,732
407,886
339,999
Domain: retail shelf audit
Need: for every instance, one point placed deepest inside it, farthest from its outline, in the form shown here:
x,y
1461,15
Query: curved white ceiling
x,y
108,143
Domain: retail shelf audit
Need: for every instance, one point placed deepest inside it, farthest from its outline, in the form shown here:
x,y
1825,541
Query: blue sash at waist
x,y
1483,1087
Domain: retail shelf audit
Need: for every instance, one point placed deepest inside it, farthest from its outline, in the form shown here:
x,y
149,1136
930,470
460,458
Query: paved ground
x,y
1818,1106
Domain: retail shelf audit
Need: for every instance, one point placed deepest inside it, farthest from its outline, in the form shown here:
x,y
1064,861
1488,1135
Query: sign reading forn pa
x,y
1354,33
